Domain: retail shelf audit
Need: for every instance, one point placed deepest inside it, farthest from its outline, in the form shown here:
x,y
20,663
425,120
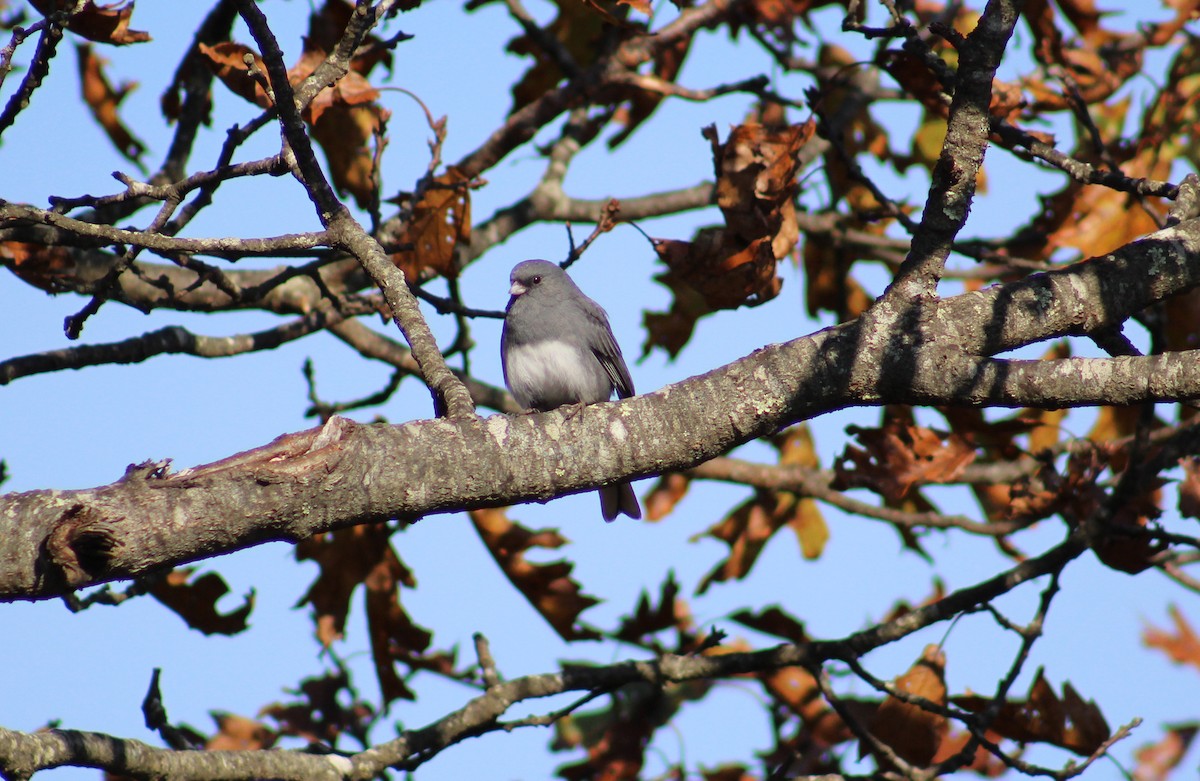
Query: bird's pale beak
x,y
517,289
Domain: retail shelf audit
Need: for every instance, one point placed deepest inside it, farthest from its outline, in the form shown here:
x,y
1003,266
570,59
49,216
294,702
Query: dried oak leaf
x,y
344,118
227,60
641,103
728,772
797,448
393,634
103,100
746,531
238,733
99,23
1189,488
915,734
326,27
616,738
671,612
830,287
707,274
899,455
321,716
1155,761
578,28
196,602
548,587
756,171
1069,722
437,224
1183,647
773,621
666,493
982,762
45,267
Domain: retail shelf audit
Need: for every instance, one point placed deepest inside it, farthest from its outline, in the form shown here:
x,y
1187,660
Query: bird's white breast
x,y
553,373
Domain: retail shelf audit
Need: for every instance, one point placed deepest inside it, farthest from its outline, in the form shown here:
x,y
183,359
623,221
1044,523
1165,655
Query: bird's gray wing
x,y
604,346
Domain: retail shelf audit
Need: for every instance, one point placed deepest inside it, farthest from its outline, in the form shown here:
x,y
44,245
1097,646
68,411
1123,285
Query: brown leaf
x,y
773,621
363,554
616,737
983,762
228,63
321,716
911,731
578,29
326,27
548,587
671,612
238,733
899,455
1155,761
1189,488
705,275
44,267
666,493
393,633
756,181
728,772
746,531
438,223
103,101
99,23
196,602
829,286
1070,722
1183,647
668,61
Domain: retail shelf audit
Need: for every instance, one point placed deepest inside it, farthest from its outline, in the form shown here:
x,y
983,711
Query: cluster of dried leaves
x,y
1023,469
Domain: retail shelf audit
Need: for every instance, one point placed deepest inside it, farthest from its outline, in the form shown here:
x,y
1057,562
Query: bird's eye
x,y
536,280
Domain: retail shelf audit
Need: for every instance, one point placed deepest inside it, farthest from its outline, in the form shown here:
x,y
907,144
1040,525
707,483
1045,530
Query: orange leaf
x,y
1157,760
666,493
756,181
746,531
44,267
1070,722
671,612
1183,647
103,101
99,23
196,602
548,587
1189,488
899,455
238,733
227,60
911,731
716,271
438,223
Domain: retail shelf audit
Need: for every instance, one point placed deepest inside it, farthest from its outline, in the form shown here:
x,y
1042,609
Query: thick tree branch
x,y
313,481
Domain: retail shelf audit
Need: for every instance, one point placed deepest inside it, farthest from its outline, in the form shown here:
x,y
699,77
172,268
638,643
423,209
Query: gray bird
x,y
557,348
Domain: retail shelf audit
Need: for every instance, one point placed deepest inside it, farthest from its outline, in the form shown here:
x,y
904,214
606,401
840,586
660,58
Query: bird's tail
x,y
617,499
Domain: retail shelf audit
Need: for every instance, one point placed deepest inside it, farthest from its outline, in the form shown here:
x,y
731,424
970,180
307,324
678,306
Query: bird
x,y
557,348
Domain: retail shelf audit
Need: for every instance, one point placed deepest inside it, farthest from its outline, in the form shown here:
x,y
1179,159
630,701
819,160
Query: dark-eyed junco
x,y
558,349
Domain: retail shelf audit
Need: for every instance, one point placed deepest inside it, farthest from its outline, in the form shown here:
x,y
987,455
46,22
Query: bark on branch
x,y
347,473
